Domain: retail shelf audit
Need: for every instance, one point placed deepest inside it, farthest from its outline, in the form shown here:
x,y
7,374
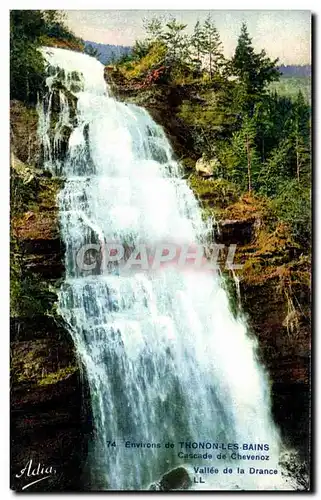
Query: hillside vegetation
x,y
253,140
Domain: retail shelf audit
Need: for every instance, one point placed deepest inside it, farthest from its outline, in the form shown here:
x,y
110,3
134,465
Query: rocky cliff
x,y
275,293
50,417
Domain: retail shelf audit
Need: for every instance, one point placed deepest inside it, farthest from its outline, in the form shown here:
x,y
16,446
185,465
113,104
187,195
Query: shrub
x,y
214,192
293,206
154,59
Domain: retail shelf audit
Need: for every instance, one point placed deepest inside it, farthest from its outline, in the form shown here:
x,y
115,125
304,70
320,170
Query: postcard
x,y
161,171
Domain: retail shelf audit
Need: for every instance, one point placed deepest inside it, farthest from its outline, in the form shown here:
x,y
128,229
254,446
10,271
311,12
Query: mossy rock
x,y
34,215
213,192
23,132
41,362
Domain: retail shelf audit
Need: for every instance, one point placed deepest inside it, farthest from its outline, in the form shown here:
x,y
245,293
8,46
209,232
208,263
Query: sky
x,y
282,33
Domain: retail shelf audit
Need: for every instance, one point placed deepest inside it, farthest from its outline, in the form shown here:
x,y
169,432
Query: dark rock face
x,y
44,257
286,354
176,479
50,419
50,412
235,232
276,301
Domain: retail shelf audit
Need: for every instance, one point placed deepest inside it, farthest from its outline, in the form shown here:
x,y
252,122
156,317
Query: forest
x,y
257,140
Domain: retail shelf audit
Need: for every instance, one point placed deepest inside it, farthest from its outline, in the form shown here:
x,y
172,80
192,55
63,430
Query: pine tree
x,y
244,161
140,49
212,46
277,170
154,29
176,41
56,26
197,43
255,70
27,64
301,136
53,17
112,58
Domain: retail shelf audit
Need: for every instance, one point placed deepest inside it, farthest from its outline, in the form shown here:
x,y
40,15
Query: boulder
x,y
207,167
175,479
231,232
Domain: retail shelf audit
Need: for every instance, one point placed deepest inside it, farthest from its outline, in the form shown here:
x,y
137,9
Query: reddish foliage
x,y
154,76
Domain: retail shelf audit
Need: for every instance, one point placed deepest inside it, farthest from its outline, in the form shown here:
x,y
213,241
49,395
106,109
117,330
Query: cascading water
x,y
165,359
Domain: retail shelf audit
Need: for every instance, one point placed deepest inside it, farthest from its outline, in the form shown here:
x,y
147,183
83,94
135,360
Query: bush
x,y
139,51
154,59
293,206
214,192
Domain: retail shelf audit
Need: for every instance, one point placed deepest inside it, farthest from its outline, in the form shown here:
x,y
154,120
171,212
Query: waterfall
x,y
166,360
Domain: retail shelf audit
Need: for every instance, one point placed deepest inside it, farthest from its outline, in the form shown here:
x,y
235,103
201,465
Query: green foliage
x,y
54,377
254,70
55,25
211,46
231,288
176,42
301,136
154,59
276,169
154,29
285,135
28,30
140,50
214,193
171,36
210,120
293,206
197,45
241,158
258,140
183,50
27,66
27,24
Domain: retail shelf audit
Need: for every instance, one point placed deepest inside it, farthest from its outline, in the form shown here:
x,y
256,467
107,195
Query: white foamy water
x,y
165,358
